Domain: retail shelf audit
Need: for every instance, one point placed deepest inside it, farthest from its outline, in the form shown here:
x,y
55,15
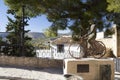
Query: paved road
x,y
22,73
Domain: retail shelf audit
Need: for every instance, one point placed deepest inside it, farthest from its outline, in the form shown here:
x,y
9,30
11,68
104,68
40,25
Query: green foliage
x,y
0,39
14,37
114,11
41,43
2,43
33,7
113,5
109,31
77,15
50,33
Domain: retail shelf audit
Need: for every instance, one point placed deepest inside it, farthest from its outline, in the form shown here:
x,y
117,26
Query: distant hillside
x,y
34,35
65,34
3,34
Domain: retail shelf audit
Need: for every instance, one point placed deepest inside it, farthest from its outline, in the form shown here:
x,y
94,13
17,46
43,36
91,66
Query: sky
x,y
37,24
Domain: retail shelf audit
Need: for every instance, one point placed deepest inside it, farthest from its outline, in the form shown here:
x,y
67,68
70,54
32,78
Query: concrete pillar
x,y
90,68
116,43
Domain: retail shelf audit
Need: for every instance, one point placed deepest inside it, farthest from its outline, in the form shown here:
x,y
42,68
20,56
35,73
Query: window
x,y
60,48
81,68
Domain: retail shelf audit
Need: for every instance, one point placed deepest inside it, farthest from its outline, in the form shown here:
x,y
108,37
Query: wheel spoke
x,y
100,49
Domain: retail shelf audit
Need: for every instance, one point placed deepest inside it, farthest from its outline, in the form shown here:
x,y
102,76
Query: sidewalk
x,y
23,73
117,75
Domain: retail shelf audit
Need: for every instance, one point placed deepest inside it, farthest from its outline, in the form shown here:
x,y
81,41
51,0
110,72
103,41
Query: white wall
x,y
100,35
110,43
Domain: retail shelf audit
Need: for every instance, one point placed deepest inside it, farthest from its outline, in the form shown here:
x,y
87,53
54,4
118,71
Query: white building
x,y
60,46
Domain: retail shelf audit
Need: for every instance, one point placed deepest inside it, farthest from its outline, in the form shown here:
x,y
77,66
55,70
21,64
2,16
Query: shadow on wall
x,y
109,53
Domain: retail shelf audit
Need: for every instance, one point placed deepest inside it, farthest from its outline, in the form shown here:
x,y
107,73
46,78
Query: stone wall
x,y
30,62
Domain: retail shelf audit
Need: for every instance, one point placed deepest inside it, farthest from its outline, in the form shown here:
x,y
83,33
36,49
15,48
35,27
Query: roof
x,y
62,40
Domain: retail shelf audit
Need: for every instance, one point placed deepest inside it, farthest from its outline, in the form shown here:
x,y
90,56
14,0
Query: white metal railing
x,y
49,54
117,64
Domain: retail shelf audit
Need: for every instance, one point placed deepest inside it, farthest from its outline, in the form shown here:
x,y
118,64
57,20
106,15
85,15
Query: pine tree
x,y
14,37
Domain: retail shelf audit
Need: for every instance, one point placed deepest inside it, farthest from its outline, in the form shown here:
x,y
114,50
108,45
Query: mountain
x,y
65,34
33,35
3,34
